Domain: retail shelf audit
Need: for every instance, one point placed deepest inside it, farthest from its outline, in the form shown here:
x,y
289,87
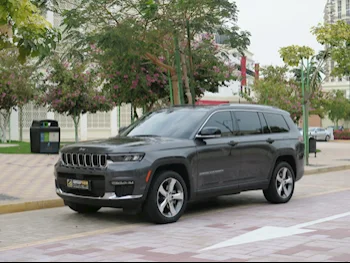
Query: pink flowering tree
x,y
141,84
73,90
16,87
131,78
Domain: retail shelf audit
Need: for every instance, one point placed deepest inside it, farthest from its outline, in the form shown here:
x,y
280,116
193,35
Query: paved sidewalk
x,y
333,154
313,227
28,178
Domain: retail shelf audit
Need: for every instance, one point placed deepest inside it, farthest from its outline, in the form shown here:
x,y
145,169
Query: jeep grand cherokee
x,y
181,154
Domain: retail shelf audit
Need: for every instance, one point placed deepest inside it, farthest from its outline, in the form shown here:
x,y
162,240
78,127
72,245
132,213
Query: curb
x,y
327,169
30,206
55,203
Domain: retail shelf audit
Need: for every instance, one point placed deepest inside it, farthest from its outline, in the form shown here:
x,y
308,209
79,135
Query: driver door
x,y
218,161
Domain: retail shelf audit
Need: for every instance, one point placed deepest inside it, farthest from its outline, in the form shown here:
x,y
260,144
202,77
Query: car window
x,y
276,122
264,125
248,123
224,122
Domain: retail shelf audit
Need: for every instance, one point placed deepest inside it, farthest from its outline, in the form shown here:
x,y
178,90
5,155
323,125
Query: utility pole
x,y
307,110
305,126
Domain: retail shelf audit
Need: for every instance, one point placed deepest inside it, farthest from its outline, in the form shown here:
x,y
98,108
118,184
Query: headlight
x,y
132,157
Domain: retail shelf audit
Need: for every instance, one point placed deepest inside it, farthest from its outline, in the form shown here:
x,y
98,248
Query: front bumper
x,y
108,200
106,190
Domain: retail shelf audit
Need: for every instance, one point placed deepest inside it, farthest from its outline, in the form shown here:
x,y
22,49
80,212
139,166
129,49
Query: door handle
x,y
233,143
270,141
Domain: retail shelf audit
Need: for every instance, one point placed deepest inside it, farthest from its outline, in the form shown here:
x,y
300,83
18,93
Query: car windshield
x,y
172,123
312,129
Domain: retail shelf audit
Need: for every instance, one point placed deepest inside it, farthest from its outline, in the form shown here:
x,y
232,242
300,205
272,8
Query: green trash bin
x,y
45,137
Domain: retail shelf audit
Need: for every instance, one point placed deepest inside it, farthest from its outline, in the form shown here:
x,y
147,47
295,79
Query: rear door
x,y
256,150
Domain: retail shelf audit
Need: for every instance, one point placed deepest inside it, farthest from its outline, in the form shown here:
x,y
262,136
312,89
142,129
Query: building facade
x,y
334,11
231,91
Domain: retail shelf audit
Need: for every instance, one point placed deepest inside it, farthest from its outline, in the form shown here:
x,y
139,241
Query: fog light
x,y
117,183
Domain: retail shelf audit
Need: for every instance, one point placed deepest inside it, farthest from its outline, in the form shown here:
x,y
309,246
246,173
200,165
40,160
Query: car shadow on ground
x,y
194,209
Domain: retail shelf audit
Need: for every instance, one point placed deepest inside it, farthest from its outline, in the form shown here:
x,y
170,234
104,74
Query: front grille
x,y
80,160
97,184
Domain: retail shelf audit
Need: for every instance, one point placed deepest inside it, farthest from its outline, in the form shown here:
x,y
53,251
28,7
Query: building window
x,y
339,9
348,7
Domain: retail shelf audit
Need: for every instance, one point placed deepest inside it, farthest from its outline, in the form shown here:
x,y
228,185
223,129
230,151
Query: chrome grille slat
x,y
84,160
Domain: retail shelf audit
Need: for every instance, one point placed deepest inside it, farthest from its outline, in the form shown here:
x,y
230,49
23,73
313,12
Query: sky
x,y
279,23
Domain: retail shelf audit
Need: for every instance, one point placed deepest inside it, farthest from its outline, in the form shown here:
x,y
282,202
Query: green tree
x,y
23,26
16,87
311,64
336,38
72,90
149,30
338,107
278,88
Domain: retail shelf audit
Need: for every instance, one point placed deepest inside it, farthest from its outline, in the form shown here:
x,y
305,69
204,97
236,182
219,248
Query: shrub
x,y
342,135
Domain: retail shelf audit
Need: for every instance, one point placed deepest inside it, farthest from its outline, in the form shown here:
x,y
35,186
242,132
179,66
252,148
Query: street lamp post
x,y
305,117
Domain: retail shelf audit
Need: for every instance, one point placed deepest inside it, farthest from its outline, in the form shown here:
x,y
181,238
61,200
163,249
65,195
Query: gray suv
x,y
182,154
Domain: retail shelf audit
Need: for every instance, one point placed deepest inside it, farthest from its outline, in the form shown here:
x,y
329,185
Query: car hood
x,y
127,145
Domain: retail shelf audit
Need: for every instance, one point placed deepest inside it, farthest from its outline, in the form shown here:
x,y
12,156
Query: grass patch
x,y
22,148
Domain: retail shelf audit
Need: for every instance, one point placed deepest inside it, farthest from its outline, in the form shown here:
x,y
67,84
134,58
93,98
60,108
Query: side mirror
x,y
209,133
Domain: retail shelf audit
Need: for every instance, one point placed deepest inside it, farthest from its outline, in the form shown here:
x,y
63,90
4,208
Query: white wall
x,y
92,126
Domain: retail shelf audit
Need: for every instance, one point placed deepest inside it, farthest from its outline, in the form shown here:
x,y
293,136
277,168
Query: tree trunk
x,y
136,116
3,125
187,83
175,82
76,120
21,124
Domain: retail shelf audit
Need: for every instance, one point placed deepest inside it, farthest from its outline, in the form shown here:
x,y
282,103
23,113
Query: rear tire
x,y
282,184
167,198
83,209
328,138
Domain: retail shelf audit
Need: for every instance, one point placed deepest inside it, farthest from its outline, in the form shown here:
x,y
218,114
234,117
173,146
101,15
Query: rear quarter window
x,y
277,123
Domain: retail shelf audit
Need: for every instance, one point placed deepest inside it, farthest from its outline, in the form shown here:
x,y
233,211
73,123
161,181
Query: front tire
x,y
167,198
83,209
282,184
328,138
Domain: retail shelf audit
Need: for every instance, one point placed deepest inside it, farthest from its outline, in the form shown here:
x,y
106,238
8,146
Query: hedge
x,y
342,135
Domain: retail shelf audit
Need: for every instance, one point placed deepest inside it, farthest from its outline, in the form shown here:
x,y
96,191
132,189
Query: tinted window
x,y
224,122
276,122
179,123
264,125
248,123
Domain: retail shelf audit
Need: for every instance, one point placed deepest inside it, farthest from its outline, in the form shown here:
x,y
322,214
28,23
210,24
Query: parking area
x,y
314,226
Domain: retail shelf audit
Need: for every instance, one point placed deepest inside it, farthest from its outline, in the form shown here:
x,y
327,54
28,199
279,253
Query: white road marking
x,y
270,232
331,218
